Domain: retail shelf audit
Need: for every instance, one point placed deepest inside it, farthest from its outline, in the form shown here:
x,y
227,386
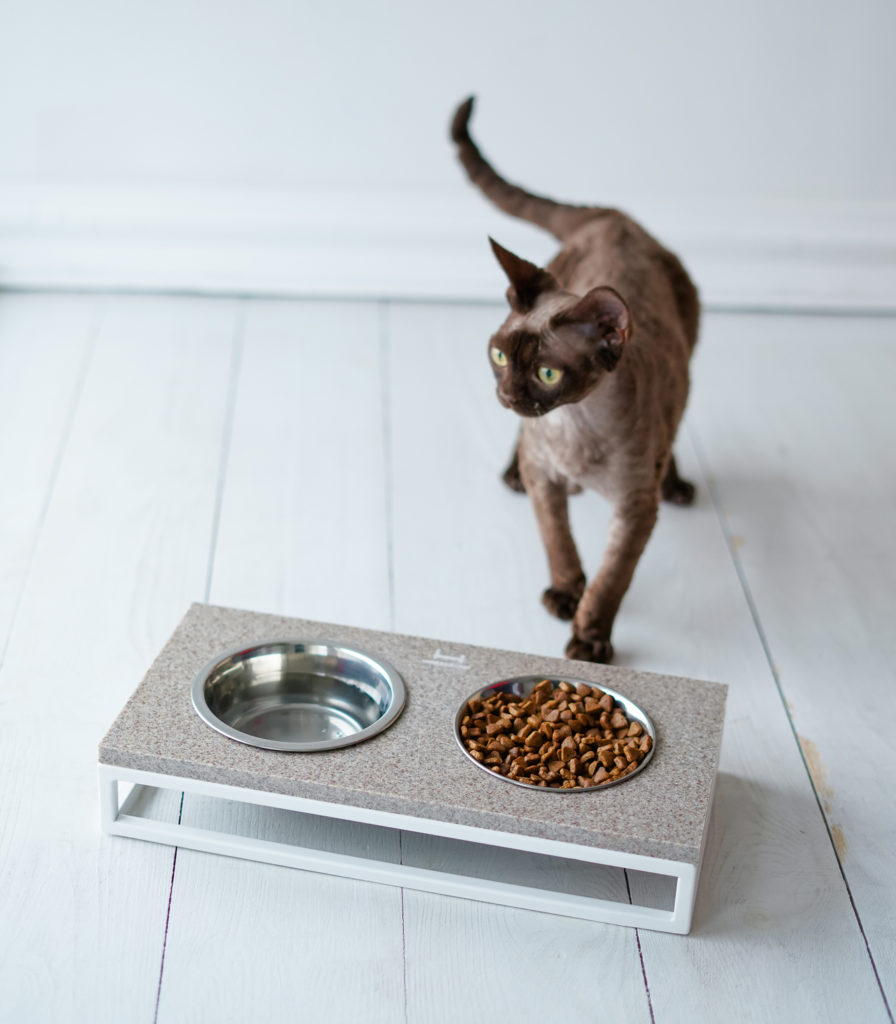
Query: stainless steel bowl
x,y
522,686
298,695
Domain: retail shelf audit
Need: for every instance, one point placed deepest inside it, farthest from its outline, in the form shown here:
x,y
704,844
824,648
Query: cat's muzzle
x,y
529,409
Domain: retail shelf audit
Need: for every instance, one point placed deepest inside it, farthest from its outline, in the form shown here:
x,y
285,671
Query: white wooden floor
x,y
340,462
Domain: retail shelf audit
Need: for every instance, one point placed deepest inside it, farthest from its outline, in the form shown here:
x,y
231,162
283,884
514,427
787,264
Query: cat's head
x,y
554,347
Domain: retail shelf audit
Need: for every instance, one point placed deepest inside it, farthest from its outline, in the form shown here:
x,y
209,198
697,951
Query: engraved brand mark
x,y
458,661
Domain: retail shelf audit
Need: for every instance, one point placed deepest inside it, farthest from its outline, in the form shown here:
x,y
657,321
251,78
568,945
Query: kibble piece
x,y
567,748
618,719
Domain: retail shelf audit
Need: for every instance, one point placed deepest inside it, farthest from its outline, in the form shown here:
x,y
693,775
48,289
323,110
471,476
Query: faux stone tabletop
x,y
415,767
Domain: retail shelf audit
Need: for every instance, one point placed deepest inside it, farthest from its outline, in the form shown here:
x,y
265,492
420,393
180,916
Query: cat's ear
x,y
527,281
603,317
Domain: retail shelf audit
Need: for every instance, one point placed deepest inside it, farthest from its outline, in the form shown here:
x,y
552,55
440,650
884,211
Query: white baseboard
x,y
420,246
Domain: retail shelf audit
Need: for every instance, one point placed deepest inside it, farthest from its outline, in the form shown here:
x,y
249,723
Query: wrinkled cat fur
x,y
612,320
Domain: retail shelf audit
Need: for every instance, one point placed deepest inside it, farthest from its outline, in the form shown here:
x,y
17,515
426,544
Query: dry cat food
x,y
569,737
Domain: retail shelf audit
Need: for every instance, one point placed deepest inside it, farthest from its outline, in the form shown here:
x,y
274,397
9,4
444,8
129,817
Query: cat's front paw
x,y
561,603
600,651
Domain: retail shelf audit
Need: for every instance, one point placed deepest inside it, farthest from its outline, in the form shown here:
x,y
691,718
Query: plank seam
x,y
404,944
763,639
74,403
236,358
386,402
628,890
155,1015
227,434
386,405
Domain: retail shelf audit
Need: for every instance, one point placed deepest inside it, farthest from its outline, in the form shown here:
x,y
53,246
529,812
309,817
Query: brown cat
x,y
594,356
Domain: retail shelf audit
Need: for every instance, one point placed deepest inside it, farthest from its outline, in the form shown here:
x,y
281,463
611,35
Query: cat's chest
x,y
572,441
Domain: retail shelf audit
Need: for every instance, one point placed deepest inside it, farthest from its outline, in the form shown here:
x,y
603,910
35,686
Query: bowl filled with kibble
x,y
561,735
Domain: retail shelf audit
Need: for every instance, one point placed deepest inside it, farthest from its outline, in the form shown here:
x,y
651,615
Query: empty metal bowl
x,y
298,695
522,687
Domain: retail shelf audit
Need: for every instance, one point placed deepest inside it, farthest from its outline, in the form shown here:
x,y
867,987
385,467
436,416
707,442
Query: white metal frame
x,y
118,819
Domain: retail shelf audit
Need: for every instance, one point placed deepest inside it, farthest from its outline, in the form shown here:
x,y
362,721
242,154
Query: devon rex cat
x,y
594,356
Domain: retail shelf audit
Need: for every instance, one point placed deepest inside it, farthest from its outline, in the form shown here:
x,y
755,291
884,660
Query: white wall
x,y
770,120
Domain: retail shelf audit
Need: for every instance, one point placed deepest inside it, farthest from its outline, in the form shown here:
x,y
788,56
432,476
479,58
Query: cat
x,y
593,357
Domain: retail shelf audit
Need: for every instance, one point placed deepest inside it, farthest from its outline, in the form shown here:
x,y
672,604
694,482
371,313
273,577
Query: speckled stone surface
x,y
415,767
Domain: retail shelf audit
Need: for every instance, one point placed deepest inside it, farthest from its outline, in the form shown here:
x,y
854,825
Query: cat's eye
x,y
548,375
498,357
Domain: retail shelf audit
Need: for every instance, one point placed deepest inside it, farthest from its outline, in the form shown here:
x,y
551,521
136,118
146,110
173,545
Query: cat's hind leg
x,y
675,489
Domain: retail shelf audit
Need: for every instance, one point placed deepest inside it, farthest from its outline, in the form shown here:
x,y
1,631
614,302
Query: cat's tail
x,y
558,218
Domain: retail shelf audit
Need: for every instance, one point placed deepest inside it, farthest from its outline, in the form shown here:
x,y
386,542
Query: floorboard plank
x,y
302,532
468,567
685,613
45,344
797,426
122,551
772,903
